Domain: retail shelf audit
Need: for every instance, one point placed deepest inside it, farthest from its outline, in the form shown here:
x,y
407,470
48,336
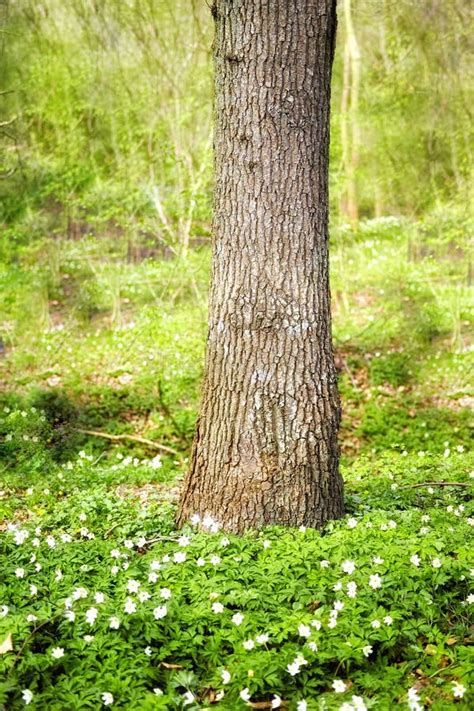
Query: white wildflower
x,y
293,668
27,696
160,612
133,586
458,690
413,700
375,581
348,566
304,630
351,589
188,698
91,615
237,619
20,536
129,606
79,593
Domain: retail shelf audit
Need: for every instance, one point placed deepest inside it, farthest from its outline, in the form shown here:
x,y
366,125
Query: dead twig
x,y
130,438
8,123
436,483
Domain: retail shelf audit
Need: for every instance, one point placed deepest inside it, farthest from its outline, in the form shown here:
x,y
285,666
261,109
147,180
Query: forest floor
x,y
102,602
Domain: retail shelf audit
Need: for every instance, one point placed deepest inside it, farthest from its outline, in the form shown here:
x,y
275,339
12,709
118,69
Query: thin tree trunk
x,y
349,115
378,199
345,140
266,450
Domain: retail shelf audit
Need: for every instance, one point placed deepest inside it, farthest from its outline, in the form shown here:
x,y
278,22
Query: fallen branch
x,y
130,438
436,483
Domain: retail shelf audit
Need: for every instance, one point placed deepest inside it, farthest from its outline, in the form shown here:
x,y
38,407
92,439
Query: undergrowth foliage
x,y
104,604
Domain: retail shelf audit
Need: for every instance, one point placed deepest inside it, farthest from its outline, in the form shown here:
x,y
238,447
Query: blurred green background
x,y
105,213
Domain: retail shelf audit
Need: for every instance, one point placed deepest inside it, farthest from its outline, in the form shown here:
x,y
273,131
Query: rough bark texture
x,y
266,450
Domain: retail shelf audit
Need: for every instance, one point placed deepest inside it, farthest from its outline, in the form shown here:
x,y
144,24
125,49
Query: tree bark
x,y
265,450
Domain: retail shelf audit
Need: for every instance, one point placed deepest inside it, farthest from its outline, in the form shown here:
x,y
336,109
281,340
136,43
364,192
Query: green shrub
x,y
393,368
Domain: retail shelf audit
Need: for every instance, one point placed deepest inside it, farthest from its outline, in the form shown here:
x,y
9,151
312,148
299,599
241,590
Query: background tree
x,y
107,134
266,447
350,133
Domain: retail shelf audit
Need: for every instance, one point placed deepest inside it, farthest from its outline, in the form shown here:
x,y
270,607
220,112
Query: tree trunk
x,y
266,450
